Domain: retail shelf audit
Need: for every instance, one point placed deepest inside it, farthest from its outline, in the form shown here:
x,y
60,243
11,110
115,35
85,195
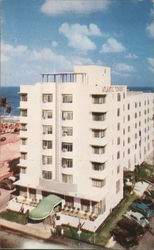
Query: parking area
x,y
145,243
145,240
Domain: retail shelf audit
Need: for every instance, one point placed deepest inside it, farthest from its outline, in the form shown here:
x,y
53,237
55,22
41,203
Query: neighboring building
x,y
78,133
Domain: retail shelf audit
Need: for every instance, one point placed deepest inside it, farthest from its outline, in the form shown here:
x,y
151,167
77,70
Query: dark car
x,y
6,185
142,208
124,237
146,201
131,226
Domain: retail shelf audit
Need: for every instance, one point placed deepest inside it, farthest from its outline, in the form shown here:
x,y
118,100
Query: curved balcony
x,y
99,141
99,125
98,158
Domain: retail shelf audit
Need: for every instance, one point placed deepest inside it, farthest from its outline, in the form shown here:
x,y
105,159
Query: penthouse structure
x,y
78,133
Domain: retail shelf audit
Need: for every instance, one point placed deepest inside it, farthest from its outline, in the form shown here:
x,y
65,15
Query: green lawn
x,y
14,216
104,235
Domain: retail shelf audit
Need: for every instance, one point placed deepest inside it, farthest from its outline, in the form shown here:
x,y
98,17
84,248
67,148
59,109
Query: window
x,y
23,112
135,125
47,144
124,154
123,95
47,97
23,156
98,183
123,119
67,163
128,128
128,118
99,133
67,115
85,205
69,201
128,139
145,102
67,178
98,166
67,131
139,104
118,154
47,114
98,149
98,116
123,131
128,106
23,141
46,174
118,97
23,126
118,126
46,160
139,123
128,150
123,142
67,147
118,140
136,146
99,207
139,132
22,170
98,99
145,111
139,113
67,98
118,112
117,186
135,115
118,169
123,107
23,97
47,129
135,104
135,135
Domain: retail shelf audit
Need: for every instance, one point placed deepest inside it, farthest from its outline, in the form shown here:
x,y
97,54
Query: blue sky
x,y
42,36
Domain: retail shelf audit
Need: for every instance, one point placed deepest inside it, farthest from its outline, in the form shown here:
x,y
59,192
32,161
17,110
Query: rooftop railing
x,y
62,77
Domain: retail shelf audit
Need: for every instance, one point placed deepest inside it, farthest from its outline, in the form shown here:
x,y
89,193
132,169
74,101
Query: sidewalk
x,y
45,234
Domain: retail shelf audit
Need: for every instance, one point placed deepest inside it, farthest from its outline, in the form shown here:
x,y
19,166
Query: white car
x,y
138,217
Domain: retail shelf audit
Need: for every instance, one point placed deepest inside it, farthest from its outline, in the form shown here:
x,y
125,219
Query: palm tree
x,y
8,109
3,104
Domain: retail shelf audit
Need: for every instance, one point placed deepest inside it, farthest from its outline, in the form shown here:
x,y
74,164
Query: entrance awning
x,y
45,207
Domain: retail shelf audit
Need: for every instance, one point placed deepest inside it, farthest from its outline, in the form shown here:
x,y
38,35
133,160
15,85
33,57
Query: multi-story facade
x,y
78,134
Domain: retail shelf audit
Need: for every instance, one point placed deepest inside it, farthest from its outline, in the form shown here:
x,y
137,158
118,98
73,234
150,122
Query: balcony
x,y
57,187
99,141
98,157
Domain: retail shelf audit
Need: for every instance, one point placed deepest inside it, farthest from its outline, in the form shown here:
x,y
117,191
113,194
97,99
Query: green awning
x,y
45,207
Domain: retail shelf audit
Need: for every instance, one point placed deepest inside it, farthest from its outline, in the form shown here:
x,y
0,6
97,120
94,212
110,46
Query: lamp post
x,y
79,233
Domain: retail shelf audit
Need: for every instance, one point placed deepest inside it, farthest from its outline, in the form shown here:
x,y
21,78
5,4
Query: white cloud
x,y
151,64
58,7
150,29
112,46
7,48
54,44
3,58
131,56
78,35
27,67
123,69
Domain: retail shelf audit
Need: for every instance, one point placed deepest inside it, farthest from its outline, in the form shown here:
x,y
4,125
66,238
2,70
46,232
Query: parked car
x,y
146,201
142,208
5,184
132,226
138,217
124,237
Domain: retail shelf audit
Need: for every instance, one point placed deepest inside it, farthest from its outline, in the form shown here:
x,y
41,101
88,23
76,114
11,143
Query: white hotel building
x,y
78,134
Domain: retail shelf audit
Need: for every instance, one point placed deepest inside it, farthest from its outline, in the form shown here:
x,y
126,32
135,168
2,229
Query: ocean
x,y
13,98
